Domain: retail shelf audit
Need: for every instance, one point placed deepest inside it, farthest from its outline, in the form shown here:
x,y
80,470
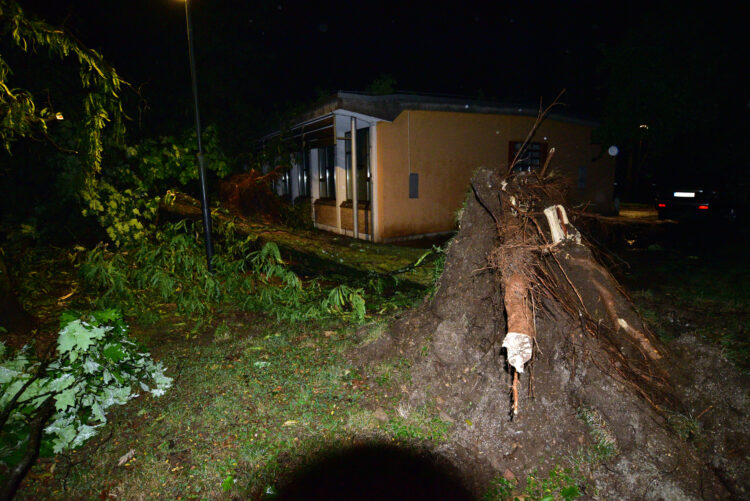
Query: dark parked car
x,y
692,202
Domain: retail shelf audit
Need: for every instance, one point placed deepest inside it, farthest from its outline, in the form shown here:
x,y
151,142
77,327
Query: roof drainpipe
x,y
355,205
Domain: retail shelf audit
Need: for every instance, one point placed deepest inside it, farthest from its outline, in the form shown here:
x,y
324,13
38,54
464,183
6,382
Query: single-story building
x,y
414,156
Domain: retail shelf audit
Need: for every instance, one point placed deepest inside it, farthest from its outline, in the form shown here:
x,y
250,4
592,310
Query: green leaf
x,y
65,399
570,492
61,383
68,337
227,484
65,435
114,352
107,316
76,338
90,366
68,317
7,375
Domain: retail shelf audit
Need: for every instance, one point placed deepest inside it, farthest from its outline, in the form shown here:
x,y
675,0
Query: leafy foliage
x,y
437,270
382,85
96,367
86,170
417,424
605,445
170,268
346,302
128,193
297,215
21,116
167,159
79,140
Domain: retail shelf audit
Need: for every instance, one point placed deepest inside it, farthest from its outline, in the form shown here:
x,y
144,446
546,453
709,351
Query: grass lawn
x,y
697,284
254,397
243,409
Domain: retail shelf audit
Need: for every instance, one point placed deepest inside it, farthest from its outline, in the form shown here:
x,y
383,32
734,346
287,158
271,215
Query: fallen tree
x,y
536,354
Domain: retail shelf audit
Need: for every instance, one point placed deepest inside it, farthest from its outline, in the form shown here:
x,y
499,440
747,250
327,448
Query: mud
x,y
459,368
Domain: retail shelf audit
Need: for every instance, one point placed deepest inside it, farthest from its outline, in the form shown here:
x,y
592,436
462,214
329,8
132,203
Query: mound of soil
x,y
593,356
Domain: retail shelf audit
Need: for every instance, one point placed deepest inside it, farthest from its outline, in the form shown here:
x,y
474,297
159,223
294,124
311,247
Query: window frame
x,y
285,183
363,165
303,174
327,172
534,163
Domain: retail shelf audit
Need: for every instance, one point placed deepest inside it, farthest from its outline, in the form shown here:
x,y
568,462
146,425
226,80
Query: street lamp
x,y
201,165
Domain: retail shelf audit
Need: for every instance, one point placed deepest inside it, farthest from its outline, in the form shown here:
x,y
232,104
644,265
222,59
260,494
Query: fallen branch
x,y
430,254
704,411
36,429
539,119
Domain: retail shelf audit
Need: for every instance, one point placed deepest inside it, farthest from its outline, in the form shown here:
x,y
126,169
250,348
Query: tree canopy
x,y
21,113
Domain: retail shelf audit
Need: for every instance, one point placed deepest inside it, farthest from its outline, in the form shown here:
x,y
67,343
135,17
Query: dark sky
x,y
255,59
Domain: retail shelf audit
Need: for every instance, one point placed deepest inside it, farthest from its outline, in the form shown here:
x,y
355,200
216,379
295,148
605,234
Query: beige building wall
x,y
444,149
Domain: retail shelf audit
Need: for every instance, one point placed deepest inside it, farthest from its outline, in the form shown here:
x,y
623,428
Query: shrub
x,y
64,401
171,268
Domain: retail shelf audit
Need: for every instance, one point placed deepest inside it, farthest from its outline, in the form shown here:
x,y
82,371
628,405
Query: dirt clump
x,y
600,392
716,399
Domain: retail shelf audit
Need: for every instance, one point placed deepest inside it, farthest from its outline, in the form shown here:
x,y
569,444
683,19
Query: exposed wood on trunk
x,y
607,287
618,322
518,342
517,304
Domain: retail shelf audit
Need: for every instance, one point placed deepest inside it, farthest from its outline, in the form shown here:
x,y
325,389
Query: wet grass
x,y
695,283
253,398
314,252
242,413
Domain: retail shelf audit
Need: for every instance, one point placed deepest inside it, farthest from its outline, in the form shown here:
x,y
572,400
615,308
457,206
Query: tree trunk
x,y
185,206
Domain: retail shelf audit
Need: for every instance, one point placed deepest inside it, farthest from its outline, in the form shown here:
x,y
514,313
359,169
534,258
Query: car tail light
x,y
703,207
661,205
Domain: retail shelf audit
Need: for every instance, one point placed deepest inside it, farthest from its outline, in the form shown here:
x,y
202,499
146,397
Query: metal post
x,y
355,205
201,167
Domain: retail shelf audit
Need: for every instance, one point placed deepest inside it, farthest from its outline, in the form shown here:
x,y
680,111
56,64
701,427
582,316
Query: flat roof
x,y
389,106
313,127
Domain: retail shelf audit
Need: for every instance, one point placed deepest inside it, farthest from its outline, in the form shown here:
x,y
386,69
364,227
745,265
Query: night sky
x,y
257,60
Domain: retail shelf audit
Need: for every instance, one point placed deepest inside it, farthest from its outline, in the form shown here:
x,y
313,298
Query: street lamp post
x,y
201,165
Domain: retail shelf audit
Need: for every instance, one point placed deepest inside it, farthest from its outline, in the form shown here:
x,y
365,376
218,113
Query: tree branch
x,y
19,471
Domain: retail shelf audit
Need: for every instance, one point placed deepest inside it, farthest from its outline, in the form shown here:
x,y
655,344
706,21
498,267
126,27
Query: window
x,y
326,172
413,185
531,157
285,183
303,173
363,165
